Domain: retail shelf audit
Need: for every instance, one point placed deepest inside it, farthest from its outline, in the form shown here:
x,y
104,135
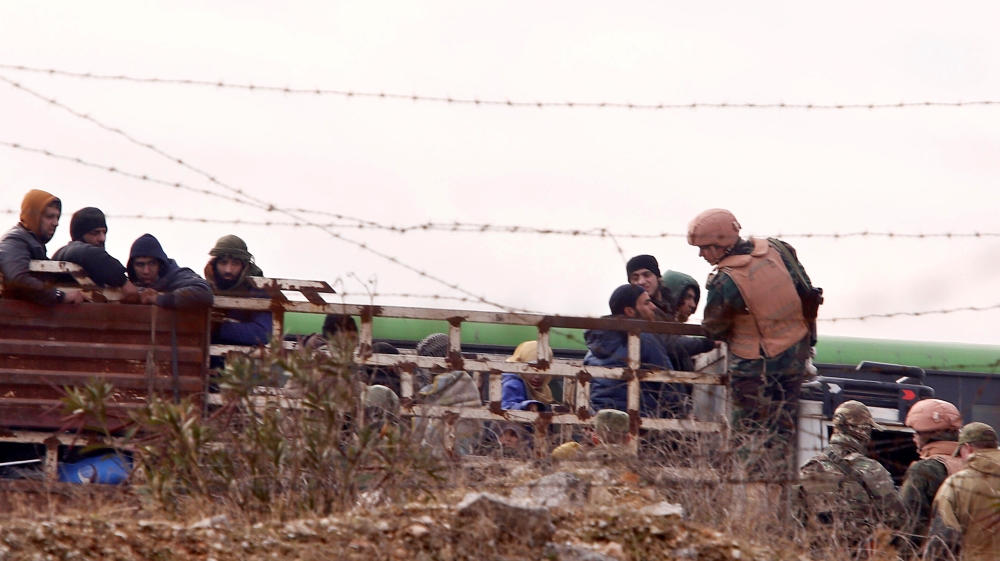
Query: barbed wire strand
x,y
471,296
492,102
914,314
269,206
362,224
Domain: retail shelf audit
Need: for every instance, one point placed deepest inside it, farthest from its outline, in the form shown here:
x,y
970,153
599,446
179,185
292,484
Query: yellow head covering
x,y
528,352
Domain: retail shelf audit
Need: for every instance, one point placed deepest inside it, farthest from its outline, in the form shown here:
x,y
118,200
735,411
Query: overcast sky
x,y
781,171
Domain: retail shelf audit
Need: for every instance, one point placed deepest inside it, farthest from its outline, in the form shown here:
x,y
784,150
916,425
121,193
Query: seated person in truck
x,y
88,231
644,271
610,348
227,273
526,392
161,281
40,212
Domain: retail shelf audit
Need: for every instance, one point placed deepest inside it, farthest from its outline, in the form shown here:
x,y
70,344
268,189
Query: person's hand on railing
x,y
148,296
130,293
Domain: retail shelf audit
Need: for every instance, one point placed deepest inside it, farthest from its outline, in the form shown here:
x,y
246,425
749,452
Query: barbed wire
x,y
252,199
914,314
471,228
492,102
113,169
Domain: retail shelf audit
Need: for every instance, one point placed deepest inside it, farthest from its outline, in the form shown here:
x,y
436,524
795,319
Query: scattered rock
x,y
574,552
663,509
298,529
557,490
521,522
220,521
418,530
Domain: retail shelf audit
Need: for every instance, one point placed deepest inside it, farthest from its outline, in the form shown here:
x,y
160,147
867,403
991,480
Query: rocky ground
x,y
567,515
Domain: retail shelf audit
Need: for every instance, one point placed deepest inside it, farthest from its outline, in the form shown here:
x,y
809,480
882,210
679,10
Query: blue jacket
x,y
610,348
514,394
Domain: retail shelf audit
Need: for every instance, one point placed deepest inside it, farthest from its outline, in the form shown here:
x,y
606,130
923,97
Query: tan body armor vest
x,y
941,450
775,322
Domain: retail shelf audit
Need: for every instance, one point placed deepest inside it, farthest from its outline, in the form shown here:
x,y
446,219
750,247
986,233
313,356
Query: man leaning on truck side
x,y
162,281
88,231
40,212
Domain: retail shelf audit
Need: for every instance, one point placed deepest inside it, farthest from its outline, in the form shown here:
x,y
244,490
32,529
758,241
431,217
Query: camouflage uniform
x,y
922,481
765,391
967,507
844,495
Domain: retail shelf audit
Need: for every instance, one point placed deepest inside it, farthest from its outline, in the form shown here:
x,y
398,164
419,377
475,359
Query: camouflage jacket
x,y
967,511
923,478
850,502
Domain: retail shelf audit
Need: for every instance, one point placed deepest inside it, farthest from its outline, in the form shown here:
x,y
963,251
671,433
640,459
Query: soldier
x,y
935,424
755,304
844,495
967,506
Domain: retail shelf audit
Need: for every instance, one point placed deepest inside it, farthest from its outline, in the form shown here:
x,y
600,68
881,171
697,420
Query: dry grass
x,y
313,482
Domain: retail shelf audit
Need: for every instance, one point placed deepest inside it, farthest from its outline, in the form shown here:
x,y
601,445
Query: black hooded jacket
x,y
102,268
179,287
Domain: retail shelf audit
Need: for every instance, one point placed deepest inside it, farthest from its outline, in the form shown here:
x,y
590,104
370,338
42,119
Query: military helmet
x,y
933,415
382,398
715,226
853,417
611,421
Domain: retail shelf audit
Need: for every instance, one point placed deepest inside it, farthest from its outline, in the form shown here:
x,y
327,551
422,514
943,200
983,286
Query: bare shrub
x,y
265,454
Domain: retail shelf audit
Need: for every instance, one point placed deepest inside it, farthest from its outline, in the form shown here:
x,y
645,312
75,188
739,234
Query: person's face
x,y
644,308
49,222
919,440
647,280
711,253
228,269
686,306
535,380
147,269
96,237
509,439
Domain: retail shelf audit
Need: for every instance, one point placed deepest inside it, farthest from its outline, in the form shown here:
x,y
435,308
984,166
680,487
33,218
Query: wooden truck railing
x,y
144,349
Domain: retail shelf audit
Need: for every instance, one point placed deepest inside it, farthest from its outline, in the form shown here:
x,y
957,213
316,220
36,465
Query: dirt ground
x,y
76,522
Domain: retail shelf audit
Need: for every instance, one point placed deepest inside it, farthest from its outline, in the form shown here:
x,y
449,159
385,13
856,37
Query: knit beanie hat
x,y
623,297
642,262
335,324
32,205
435,344
231,246
85,220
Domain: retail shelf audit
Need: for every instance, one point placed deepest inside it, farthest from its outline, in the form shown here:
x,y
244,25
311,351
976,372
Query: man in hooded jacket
x,y
228,272
162,281
644,271
40,212
610,348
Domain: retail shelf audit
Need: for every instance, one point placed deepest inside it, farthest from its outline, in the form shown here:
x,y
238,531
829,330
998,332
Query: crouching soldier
x,y
843,494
